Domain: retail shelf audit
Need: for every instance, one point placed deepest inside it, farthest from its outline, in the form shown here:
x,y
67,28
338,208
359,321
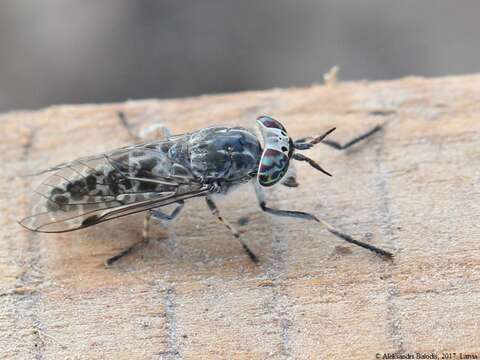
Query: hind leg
x,y
152,215
164,220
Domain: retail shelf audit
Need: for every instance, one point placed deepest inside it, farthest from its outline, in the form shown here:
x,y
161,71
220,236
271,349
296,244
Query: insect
x,y
149,176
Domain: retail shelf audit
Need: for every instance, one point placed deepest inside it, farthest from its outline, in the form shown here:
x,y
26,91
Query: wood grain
x,y
413,189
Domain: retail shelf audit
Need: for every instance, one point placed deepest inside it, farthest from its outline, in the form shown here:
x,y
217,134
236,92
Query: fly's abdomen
x,y
115,178
76,192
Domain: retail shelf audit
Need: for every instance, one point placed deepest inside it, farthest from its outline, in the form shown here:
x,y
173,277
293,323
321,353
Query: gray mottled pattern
x,y
93,189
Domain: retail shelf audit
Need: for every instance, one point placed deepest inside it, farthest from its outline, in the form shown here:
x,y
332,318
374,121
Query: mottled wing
x,y
95,189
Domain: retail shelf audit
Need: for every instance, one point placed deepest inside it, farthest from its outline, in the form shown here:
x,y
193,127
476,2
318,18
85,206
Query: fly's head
x,y
279,150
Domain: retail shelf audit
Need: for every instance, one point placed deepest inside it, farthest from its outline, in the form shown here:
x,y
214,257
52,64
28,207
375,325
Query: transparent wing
x,y
95,189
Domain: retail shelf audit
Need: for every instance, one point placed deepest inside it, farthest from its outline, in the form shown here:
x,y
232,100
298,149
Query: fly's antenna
x,y
305,143
312,163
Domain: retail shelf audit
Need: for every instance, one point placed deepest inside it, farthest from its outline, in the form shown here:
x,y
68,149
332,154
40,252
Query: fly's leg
x,y
213,208
308,142
161,217
306,216
290,178
110,261
155,215
336,145
156,131
126,124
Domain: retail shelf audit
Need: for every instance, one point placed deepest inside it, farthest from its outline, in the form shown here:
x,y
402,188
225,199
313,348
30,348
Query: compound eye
x,y
271,123
273,166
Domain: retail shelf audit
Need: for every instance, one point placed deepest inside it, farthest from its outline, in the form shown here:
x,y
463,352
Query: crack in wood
x,y
173,340
387,234
279,304
27,305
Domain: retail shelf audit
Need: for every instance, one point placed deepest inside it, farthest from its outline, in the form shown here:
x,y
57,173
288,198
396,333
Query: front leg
x,y
308,142
336,145
306,216
213,208
290,178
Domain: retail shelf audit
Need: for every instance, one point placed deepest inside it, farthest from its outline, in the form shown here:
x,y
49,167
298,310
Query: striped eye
x,y
271,123
273,166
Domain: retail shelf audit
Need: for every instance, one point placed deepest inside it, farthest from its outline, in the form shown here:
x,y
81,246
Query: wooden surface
x,y
412,189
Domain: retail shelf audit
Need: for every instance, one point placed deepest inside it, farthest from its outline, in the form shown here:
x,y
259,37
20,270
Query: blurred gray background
x,y
54,52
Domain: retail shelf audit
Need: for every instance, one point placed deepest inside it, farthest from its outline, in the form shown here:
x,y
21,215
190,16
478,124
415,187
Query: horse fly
x,y
149,176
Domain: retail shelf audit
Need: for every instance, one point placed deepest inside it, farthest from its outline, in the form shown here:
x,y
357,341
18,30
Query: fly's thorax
x,y
229,154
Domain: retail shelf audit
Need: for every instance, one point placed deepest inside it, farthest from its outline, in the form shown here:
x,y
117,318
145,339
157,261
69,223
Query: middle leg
x,y
156,131
213,208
